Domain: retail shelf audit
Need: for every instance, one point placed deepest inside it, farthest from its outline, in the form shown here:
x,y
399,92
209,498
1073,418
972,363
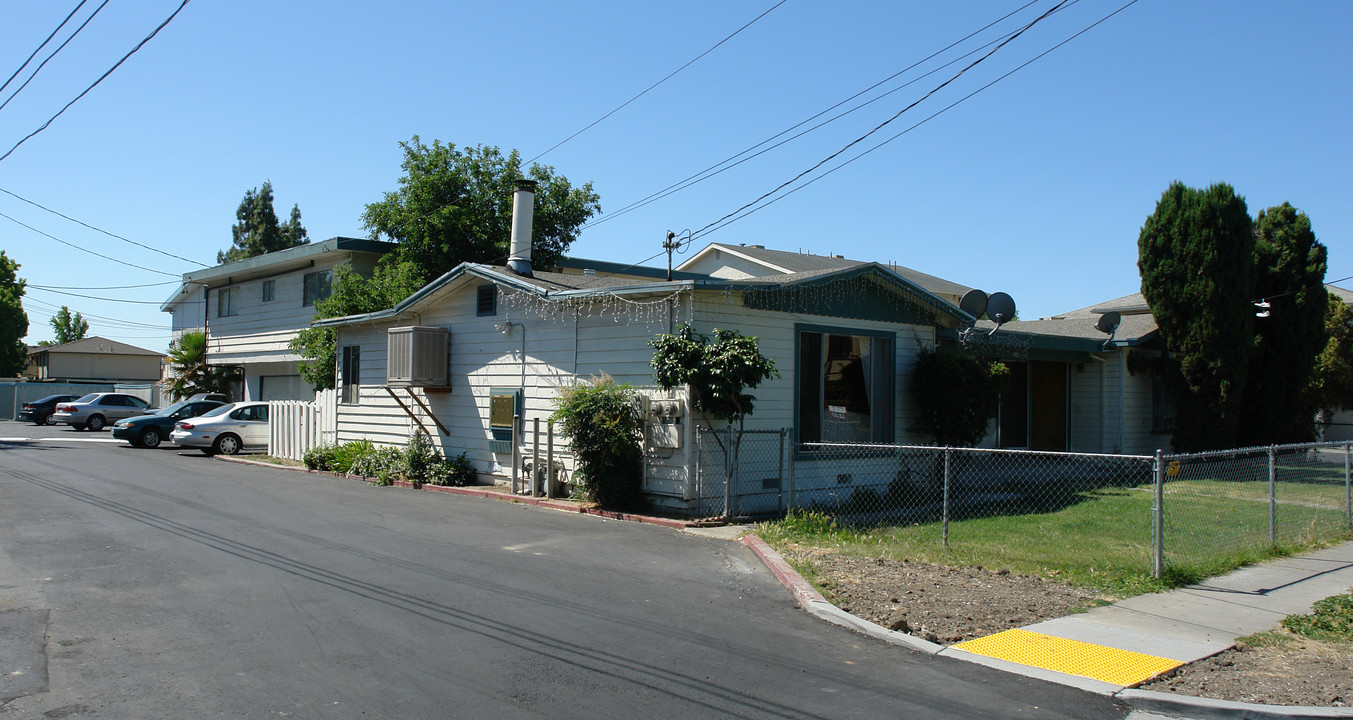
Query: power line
x,y
106,287
926,120
728,163
98,229
108,299
885,123
91,252
116,322
39,48
63,45
102,77
650,87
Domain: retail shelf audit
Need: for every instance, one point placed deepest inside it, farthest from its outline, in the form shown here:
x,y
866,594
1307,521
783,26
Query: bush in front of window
x,y
956,395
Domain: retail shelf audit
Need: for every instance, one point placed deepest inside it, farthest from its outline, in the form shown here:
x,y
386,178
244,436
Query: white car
x,y
95,410
225,430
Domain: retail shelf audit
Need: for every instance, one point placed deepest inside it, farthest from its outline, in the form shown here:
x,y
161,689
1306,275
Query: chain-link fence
x,y
1184,512
1247,501
756,467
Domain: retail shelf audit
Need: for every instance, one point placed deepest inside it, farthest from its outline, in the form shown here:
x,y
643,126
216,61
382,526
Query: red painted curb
x,y
801,589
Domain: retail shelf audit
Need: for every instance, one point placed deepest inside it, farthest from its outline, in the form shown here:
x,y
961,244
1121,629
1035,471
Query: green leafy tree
x,y
719,373
13,319
1290,275
257,230
956,395
1196,258
455,205
189,372
601,419
1331,386
392,280
68,327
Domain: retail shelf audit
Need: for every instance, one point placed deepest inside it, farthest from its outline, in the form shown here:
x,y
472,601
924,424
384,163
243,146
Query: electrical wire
x,y
102,77
105,287
91,252
108,299
650,87
99,229
749,153
39,48
885,123
63,45
117,322
929,118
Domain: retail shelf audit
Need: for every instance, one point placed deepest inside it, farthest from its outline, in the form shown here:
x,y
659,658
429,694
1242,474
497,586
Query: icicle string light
x,y
618,308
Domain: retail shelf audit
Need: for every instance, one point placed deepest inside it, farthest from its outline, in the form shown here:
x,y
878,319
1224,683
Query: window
x,y
269,288
318,285
350,374
227,302
487,300
845,385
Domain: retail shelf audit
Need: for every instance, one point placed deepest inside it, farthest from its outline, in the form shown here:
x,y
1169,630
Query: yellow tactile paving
x,y
1073,657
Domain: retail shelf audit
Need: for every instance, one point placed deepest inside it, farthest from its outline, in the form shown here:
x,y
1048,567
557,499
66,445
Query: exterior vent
x,y
418,356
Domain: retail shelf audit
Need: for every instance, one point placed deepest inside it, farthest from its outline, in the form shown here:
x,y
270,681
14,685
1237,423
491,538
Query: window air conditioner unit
x,y
418,356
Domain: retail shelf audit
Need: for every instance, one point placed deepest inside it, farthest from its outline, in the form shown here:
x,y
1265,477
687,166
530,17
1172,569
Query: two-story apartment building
x,y
251,309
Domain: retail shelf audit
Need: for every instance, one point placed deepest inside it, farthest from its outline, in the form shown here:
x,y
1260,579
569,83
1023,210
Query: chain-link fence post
x,y
728,475
789,503
1272,495
1158,518
944,537
780,472
1348,489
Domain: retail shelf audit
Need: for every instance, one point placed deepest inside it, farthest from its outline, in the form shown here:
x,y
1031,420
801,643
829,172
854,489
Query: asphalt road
x,y
162,583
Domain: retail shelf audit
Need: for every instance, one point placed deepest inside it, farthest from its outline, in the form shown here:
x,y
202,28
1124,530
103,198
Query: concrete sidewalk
x,y
1111,649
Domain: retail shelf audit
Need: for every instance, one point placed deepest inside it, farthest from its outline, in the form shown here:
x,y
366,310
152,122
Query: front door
x,y
1033,410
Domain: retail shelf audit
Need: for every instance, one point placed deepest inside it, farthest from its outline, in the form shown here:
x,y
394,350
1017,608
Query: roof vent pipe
x,y
523,206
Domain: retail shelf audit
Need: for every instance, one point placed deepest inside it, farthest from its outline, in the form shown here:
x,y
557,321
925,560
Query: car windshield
x,y
166,412
218,411
52,399
87,398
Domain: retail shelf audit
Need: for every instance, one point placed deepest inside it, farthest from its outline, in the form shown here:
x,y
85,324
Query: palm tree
x,y
189,372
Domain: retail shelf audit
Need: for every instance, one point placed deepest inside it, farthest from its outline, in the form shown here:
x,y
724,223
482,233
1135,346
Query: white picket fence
x,y
295,426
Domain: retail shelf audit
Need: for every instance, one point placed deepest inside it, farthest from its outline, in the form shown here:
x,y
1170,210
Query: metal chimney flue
x,y
523,207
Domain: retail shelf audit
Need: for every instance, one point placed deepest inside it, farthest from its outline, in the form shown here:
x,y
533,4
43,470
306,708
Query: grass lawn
x,y
1098,538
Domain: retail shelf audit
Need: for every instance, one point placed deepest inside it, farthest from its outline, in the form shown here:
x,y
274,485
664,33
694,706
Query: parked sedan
x,y
39,412
226,430
95,410
150,430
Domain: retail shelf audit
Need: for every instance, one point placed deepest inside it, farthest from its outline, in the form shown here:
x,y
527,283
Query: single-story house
x,y
483,343
94,359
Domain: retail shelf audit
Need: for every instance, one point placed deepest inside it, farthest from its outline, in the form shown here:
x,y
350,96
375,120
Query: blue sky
x,y
1036,186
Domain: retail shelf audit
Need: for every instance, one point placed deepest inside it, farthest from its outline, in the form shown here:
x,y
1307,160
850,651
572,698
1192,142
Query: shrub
x,y
601,420
383,464
320,457
347,454
956,394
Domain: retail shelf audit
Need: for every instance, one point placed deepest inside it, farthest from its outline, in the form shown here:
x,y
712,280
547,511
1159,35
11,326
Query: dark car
x,y
39,412
151,429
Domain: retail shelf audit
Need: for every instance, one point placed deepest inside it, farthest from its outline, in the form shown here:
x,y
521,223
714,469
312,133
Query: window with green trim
x,y
845,385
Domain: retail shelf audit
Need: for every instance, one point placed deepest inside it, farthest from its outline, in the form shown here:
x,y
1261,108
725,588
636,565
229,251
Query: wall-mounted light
x,y
505,327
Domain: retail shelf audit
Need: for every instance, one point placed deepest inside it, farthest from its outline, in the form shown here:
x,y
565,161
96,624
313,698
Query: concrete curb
x,y
1139,700
486,494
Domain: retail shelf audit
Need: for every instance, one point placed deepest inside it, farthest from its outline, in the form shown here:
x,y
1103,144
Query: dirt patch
x,y
947,605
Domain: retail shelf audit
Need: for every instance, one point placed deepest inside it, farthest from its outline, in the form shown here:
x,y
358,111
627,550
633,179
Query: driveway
x,y
162,583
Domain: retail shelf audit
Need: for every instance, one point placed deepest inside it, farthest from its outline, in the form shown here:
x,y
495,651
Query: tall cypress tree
x,y
1290,275
1196,258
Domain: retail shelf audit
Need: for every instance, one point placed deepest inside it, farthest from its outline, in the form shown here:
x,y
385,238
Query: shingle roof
x,y
798,263
97,345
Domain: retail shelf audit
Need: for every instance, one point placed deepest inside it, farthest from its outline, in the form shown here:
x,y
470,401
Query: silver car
x,y
96,410
225,430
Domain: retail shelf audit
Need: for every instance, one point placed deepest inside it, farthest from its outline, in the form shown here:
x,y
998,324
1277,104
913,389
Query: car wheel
x,y
95,423
78,426
150,438
227,445
41,420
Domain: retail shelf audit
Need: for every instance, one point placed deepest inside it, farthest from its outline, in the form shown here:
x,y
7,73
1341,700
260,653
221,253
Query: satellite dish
x,y
974,303
1000,308
1108,322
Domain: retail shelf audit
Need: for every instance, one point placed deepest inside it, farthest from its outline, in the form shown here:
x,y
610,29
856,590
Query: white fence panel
x,y
296,426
